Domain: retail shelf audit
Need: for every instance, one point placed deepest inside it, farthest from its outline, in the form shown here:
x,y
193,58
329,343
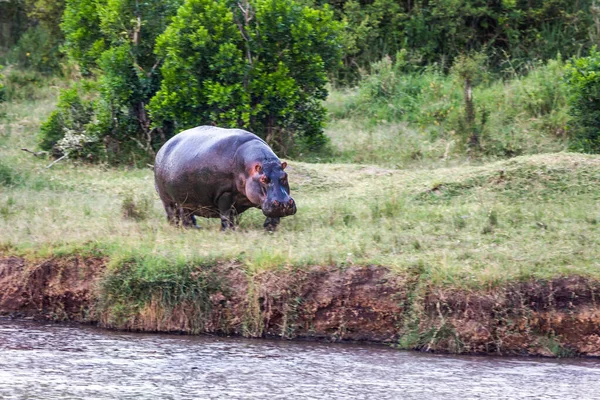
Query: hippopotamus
x,y
220,173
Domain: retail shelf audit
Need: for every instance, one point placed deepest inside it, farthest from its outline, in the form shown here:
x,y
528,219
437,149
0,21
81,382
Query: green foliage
x,y
583,78
144,283
47,13
114,39
438,31
37,50
81,26
469,71
33,35
14,22
259,65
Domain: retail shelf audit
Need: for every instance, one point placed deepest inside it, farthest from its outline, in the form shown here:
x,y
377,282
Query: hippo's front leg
x,y
227,212
271,223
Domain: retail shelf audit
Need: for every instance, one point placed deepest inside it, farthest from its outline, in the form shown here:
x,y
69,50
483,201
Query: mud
x,y
560,317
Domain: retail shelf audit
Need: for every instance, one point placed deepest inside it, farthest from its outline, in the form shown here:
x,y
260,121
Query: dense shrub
x,y
583,79
13,21
259,65
84,42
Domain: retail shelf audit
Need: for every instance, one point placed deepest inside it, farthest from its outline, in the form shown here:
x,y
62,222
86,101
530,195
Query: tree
x,y
114,40
84,42
47,13
257,64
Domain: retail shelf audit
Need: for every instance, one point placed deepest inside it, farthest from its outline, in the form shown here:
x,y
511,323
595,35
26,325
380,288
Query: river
x,y
54,361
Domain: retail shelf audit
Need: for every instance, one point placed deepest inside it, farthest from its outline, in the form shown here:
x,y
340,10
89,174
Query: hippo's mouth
x,y
279,211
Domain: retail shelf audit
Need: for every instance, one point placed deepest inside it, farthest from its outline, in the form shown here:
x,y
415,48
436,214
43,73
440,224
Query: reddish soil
x,y
549,318
56,289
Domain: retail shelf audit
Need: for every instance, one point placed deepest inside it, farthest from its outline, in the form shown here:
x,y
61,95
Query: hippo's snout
x,y
280,208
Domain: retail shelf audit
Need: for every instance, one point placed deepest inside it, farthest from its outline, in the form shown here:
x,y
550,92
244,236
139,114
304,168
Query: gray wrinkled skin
x,y
220,173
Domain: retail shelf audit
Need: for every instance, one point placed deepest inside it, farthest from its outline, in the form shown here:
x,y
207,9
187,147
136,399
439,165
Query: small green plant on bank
x,y
135,207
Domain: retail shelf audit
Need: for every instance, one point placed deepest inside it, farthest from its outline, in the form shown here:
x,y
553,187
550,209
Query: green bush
x,y
583,79
259,65
83,40
511,33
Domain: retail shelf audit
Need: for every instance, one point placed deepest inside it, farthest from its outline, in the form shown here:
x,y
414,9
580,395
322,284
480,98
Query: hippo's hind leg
x,y
188,220
172,211
271,223
178,215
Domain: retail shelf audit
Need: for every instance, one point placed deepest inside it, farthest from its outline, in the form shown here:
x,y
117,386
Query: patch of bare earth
x,y
57,289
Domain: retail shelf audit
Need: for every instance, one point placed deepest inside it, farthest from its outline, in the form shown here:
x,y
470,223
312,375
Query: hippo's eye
x,y
264,179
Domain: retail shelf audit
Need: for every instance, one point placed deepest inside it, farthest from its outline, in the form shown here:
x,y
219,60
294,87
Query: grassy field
x,y
457,224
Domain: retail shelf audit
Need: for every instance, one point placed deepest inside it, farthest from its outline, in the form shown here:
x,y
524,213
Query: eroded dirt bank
x,y
559,317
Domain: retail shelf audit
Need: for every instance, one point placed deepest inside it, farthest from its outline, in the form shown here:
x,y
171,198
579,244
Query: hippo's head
x,y
268,187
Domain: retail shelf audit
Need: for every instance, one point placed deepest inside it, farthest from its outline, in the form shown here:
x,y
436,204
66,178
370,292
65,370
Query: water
x,y
50,361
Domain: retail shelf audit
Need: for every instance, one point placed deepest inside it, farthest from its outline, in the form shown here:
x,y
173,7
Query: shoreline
x,y
553,318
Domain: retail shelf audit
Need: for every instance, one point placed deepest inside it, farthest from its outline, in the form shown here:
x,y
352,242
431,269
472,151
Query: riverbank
x,y
558,317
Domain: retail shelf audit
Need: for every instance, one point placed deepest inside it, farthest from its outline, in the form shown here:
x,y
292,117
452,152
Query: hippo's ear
x,y
283,165
258,168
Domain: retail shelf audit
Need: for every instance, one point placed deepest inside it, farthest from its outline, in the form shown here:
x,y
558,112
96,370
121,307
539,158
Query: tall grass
x,y
399,118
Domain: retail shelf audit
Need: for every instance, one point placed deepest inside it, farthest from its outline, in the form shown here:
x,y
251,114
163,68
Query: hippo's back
x,y
202,145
